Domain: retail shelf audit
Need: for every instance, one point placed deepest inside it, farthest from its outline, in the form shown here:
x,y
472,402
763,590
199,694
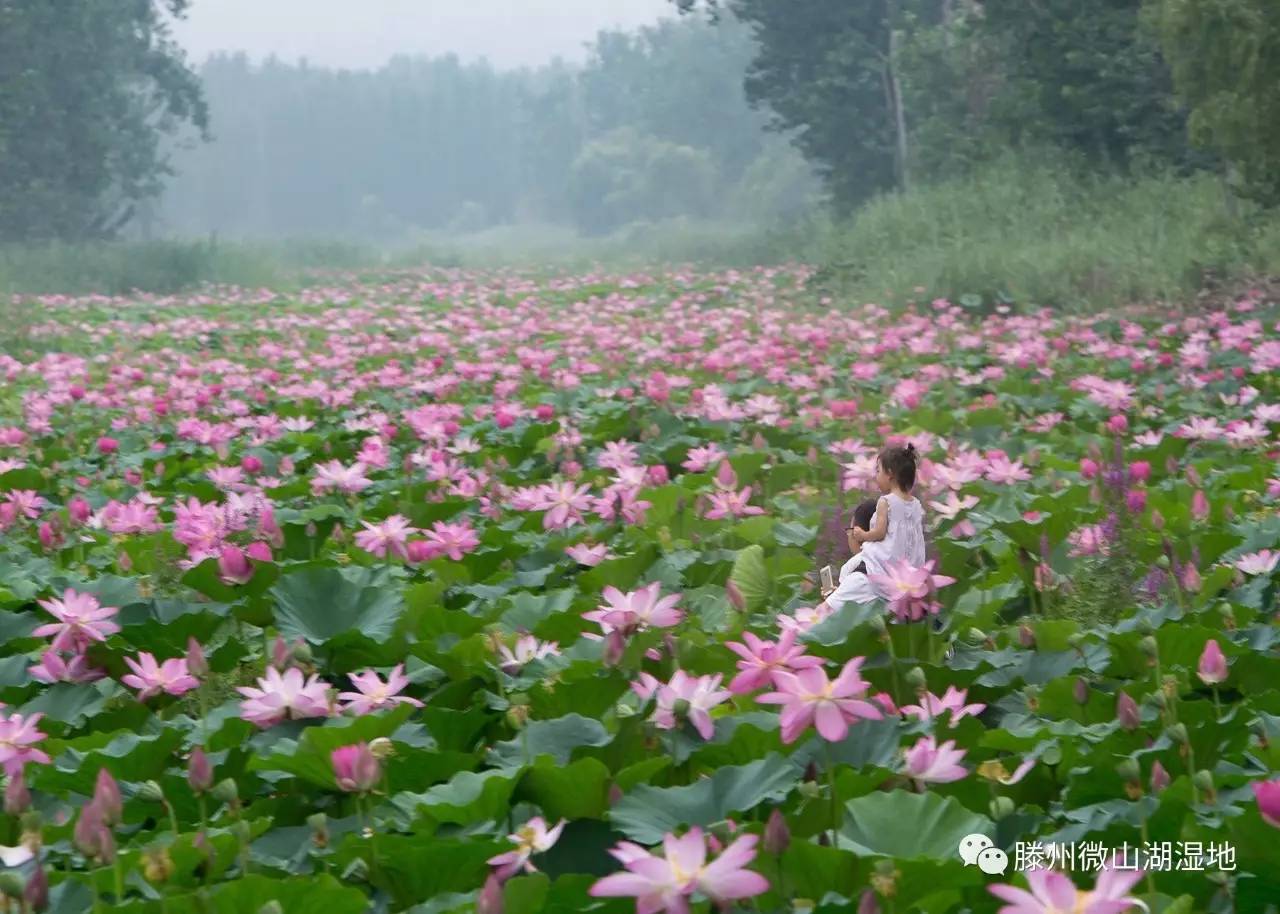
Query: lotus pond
x,y
447,591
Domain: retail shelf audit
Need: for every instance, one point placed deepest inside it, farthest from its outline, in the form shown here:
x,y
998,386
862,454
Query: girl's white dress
x,y
904,539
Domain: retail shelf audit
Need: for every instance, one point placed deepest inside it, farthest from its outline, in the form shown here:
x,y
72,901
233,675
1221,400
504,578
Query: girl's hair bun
x,y
911,448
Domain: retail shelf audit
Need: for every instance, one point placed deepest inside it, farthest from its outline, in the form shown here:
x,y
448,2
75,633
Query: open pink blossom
x,y
808,698
952,701
81,621
387,537
761,659
376,695
151,678
700,459
527,649
18,736
563,504
910,588
280,696
666,883
531,838
53,668
1054,893
1262,562
333,476
730,504
452,539
588,555
692,698
637,610
927,761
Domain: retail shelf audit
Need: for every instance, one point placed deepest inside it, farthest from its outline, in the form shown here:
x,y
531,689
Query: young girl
x,y
896,532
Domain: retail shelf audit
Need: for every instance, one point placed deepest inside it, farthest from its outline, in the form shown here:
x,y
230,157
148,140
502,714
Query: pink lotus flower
x,y
909,589
588,555
952,701
355,768
700,459
532,838
151,678
1054,893
808,697
284,695
665,883
1262,562
108,445
1267,793
376,695
1213,665
334,476
563,503
636,611
730,504
1199,505
761,659
391,536
18,736
451,539
52,668
527,649
81,621
929,762
691,698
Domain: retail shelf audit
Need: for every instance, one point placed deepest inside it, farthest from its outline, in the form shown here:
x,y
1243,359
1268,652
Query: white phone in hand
x,y
828,580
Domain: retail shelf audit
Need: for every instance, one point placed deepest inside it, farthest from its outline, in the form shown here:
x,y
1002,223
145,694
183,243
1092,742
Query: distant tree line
x,y
883,92
99,109
655,124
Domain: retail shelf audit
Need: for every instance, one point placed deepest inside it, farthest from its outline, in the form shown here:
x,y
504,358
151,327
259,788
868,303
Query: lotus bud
x,y
976,636
107,799
279,653
1159,777
916,679
734,595
1178,733
869,903
1193,477
1001,807
36,893
1129,770
1149,646
225,791
1080,691
199,771
615,794
489,901
150,792
301,652
1032,694
615,643
1127,712
17,799
1159,700
1203,779
197,665
1157,519
1052,755
879,627
1026,637
777,837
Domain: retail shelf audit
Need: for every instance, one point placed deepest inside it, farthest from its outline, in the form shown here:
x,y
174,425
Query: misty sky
x,y
365,33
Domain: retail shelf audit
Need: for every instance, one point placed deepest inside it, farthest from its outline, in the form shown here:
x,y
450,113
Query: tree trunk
x,y
899,114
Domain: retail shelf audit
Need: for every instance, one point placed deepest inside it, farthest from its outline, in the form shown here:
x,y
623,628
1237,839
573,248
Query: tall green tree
x,y
1225,56
87,90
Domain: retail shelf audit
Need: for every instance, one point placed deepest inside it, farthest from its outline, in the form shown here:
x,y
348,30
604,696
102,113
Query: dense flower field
x,y
456,592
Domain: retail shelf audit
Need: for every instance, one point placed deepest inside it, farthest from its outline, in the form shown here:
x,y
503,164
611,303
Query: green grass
x,y
1031,230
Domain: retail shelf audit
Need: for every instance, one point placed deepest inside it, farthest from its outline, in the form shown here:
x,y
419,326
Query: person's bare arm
x,y
879,525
